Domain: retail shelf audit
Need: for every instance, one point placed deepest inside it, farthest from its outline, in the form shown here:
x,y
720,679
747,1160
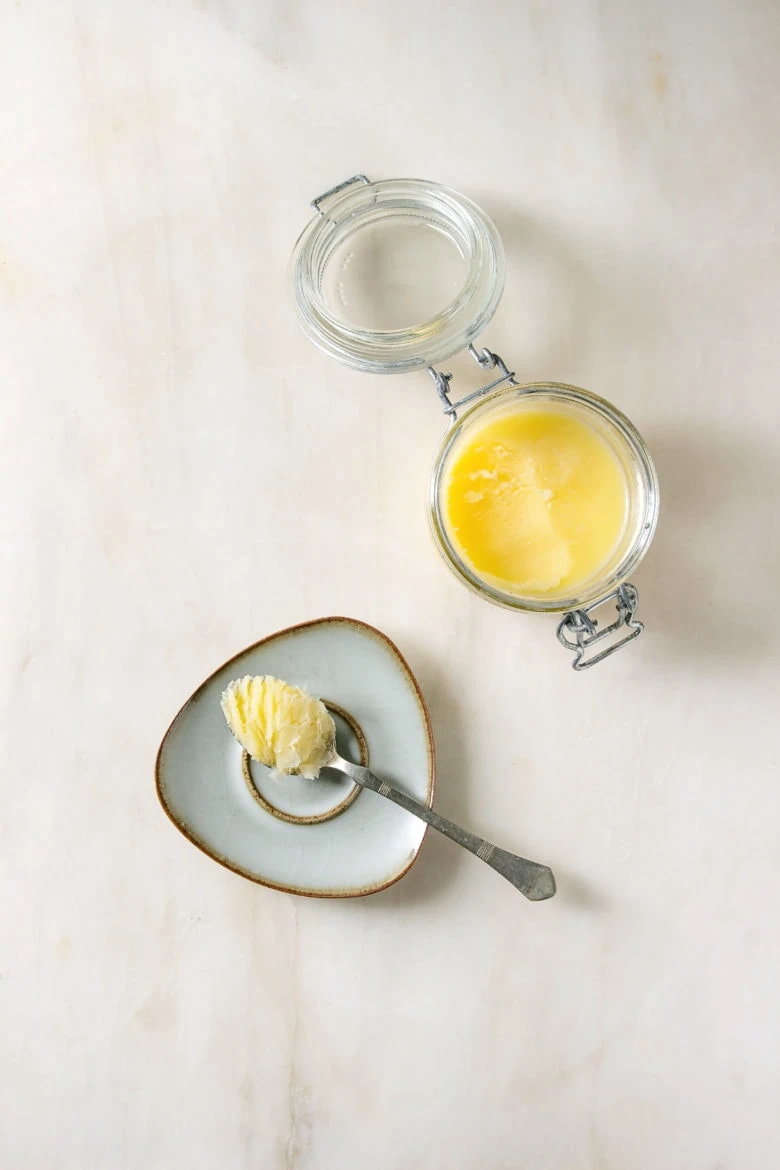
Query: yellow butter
x,y
535,502
280,726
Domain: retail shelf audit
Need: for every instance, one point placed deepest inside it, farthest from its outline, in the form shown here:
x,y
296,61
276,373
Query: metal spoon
x,y
534,880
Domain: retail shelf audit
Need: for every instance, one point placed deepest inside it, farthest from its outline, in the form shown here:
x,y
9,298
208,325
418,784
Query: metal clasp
x,y
315,203
578,631
487,360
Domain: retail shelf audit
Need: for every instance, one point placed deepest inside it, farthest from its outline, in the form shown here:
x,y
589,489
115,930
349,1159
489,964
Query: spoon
x,y
534,880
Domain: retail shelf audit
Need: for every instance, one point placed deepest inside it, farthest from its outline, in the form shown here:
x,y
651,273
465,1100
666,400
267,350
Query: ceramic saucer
x,y
325,838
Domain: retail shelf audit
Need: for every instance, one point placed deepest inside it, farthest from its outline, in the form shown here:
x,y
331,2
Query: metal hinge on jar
x,y
578,631
487,360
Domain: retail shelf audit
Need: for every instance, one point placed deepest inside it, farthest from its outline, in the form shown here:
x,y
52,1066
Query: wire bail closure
x,y
487,360
578,631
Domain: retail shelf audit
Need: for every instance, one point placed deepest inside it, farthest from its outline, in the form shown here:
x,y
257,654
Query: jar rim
x,y
592,592
362,203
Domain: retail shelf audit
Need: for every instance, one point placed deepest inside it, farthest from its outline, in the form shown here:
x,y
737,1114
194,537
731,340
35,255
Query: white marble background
x,y
166,434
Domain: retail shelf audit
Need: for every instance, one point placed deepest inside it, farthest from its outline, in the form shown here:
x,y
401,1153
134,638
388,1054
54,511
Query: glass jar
x,y
402,274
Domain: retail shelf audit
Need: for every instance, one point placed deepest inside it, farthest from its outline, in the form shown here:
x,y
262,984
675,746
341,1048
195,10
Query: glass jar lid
x,y
396,275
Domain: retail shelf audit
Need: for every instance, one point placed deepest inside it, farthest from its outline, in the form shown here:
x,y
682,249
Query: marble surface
x,y
177,464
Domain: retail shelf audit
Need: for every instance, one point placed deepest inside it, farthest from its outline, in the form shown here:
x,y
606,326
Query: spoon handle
x,y
534,880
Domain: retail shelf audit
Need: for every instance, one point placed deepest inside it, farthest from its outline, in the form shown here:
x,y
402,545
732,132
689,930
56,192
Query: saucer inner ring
x,y
263,798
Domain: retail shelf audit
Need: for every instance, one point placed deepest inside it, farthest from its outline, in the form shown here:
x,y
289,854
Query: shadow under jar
x,y
543,496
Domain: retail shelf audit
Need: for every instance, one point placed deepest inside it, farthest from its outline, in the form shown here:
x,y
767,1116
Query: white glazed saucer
x,y
325,838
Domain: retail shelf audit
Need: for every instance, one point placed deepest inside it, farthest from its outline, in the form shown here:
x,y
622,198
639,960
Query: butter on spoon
x,y
288,730
280,726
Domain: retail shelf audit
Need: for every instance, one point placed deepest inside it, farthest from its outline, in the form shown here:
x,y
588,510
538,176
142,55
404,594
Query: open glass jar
x,y
402,274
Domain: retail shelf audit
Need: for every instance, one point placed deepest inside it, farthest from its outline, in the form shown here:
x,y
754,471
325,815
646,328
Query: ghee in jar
x,y
535,501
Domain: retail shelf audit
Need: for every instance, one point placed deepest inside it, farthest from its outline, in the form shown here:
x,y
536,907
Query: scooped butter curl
x,y
280,726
